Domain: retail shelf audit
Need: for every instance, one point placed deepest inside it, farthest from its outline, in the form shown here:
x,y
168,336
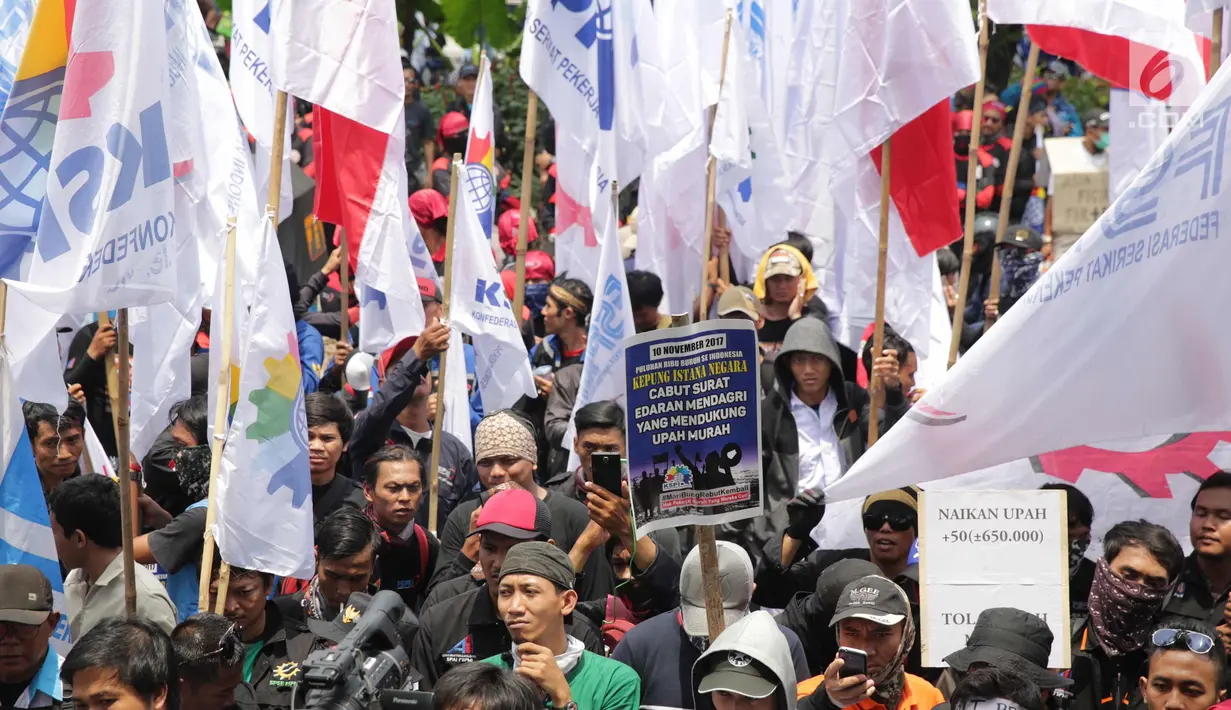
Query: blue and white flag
x,y
107,236
255,97
455,393
390,307
478,307
264,514
15,17
478,175
25,525
1145,282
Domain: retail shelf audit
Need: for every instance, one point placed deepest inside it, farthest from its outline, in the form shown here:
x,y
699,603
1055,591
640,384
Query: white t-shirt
x,y
820,455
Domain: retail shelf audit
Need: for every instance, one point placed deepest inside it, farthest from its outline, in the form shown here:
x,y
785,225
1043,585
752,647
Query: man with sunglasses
x,y
1187,667
996,142
29,669
209,655
1140,564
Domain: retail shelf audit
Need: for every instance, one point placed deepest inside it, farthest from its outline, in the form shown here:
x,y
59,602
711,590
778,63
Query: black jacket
x,y
1193,598
1099,681
91,374
780,438
377,426
467,628
277,670
161,483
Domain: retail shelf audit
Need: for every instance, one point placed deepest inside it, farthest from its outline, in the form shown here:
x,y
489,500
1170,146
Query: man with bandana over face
x,y
1141,562
985,172
873,616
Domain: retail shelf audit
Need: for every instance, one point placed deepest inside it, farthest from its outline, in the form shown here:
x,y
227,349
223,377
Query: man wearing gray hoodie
x,y
747,667
814,425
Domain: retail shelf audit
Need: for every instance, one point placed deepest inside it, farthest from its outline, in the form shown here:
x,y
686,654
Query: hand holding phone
x,y
854,662
607,471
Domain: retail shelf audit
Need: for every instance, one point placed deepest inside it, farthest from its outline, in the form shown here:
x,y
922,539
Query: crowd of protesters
x,y
537,590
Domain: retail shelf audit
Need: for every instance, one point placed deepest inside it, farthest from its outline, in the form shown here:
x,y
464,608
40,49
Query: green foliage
x,y
471,22
1087,93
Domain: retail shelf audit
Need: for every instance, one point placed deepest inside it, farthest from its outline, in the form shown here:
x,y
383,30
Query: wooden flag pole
x,y
344,277
707,546
527,185
433,502
876,386
711,174
113,393
223,395
724,253
222,401
968,242
127,491
4,305
1216,44
1015,153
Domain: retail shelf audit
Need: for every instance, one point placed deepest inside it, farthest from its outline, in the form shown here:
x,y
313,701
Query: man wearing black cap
x,y
748,667
468,627
463,101
29,669
809,615
535,597
1011,640
873,616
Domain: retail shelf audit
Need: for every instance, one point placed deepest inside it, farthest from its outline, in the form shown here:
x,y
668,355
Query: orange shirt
x,y
917,695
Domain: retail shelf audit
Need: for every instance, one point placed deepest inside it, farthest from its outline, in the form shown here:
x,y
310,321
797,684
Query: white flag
x,y
108,231
479,308
671,221
342,55
611,321
255,97
478,177
1145,283
264,491
453,390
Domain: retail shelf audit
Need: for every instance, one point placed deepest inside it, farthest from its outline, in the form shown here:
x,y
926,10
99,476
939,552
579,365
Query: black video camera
x,y
368,669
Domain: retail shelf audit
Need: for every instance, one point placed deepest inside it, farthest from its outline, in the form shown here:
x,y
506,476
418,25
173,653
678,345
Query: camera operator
x,y
209,654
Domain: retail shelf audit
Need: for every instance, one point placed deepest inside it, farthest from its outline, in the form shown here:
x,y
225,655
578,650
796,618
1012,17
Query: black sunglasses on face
x,y
898,523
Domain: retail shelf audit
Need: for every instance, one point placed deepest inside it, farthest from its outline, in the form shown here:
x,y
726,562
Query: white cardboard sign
x,y
984,549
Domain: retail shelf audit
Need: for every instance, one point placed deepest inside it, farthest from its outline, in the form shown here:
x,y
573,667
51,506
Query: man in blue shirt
x,y
29,669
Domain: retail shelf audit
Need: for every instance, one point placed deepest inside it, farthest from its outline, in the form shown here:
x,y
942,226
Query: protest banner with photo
x,y
986,549
1080,192
694,454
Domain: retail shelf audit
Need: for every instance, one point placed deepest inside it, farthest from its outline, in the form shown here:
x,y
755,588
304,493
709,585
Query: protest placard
x,y
984,549
694,455
1079,185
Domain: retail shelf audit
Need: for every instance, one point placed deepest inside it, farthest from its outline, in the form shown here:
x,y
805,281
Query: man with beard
x,y
1141,562
873,616
1201,593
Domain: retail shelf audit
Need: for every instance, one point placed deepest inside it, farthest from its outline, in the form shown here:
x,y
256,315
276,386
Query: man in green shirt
x,y
535,595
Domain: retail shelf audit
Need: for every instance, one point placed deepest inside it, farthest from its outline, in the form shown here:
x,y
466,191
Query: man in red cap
x,y
507,226
431,212
451,134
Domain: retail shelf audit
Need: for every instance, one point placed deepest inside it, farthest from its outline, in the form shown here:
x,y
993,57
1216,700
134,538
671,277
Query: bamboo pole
x,y
971,179
711,174
4,305
707,546
221,406
1015,153
1216,44
127,491
878,334
222,401
118,400
527,185
433,500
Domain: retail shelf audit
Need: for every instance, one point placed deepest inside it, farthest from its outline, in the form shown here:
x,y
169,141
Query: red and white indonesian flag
x,y
342,55
1142,45
895,64
1114,342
